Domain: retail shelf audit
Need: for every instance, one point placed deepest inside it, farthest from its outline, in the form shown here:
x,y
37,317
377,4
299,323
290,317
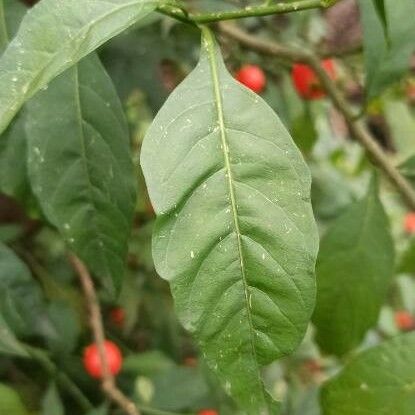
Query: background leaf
x,y
53,36
10,402
378,381
8,342
381,11
21,301
80,166
52,404
354,269
386,62
235,235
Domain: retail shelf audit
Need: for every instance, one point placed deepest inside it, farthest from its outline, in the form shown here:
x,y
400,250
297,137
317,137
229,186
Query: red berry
x,y
410,222
117,316
306,82
404,320
253,77
92,362
207,412
312,366
190,361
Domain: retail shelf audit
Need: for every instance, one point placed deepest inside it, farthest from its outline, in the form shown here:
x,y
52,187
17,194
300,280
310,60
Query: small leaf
x,y
354,269
386,62
8,342
53,36
235,234
10,401
378,381
80,166
21,301
52,404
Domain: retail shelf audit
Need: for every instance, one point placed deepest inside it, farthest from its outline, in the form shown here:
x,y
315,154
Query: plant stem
x,y
67,384
357,128
153,411
95,316
250,11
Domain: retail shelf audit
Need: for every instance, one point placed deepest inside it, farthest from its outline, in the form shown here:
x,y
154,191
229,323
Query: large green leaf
x,y
21,302
53,36
80,166
235,234
379,381
387,60
8,342
354,268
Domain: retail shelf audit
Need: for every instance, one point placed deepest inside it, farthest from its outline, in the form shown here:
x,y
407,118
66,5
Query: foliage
x,y
129,151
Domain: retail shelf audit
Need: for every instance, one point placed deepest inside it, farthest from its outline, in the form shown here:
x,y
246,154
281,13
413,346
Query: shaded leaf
x,y
378,381
235,234
21,302
53,36
8,342
13,166
354,268
80,166
386,62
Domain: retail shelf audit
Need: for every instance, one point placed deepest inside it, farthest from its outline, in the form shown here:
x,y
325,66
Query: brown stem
x,y
95,318
357,128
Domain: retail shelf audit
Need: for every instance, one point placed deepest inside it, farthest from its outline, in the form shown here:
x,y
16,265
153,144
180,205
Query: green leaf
x,y
80,166
401,122
179,388
53,36
354,268
381,11
8,343
52,404
407,168
10,402
235,234
147,363
21,301
386,62
378,381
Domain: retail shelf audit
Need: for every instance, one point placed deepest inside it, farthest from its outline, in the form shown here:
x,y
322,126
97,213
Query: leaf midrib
x,y
207,36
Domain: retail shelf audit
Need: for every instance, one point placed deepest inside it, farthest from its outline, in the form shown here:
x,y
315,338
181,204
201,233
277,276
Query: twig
x,y
265,9
357,128
107,382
